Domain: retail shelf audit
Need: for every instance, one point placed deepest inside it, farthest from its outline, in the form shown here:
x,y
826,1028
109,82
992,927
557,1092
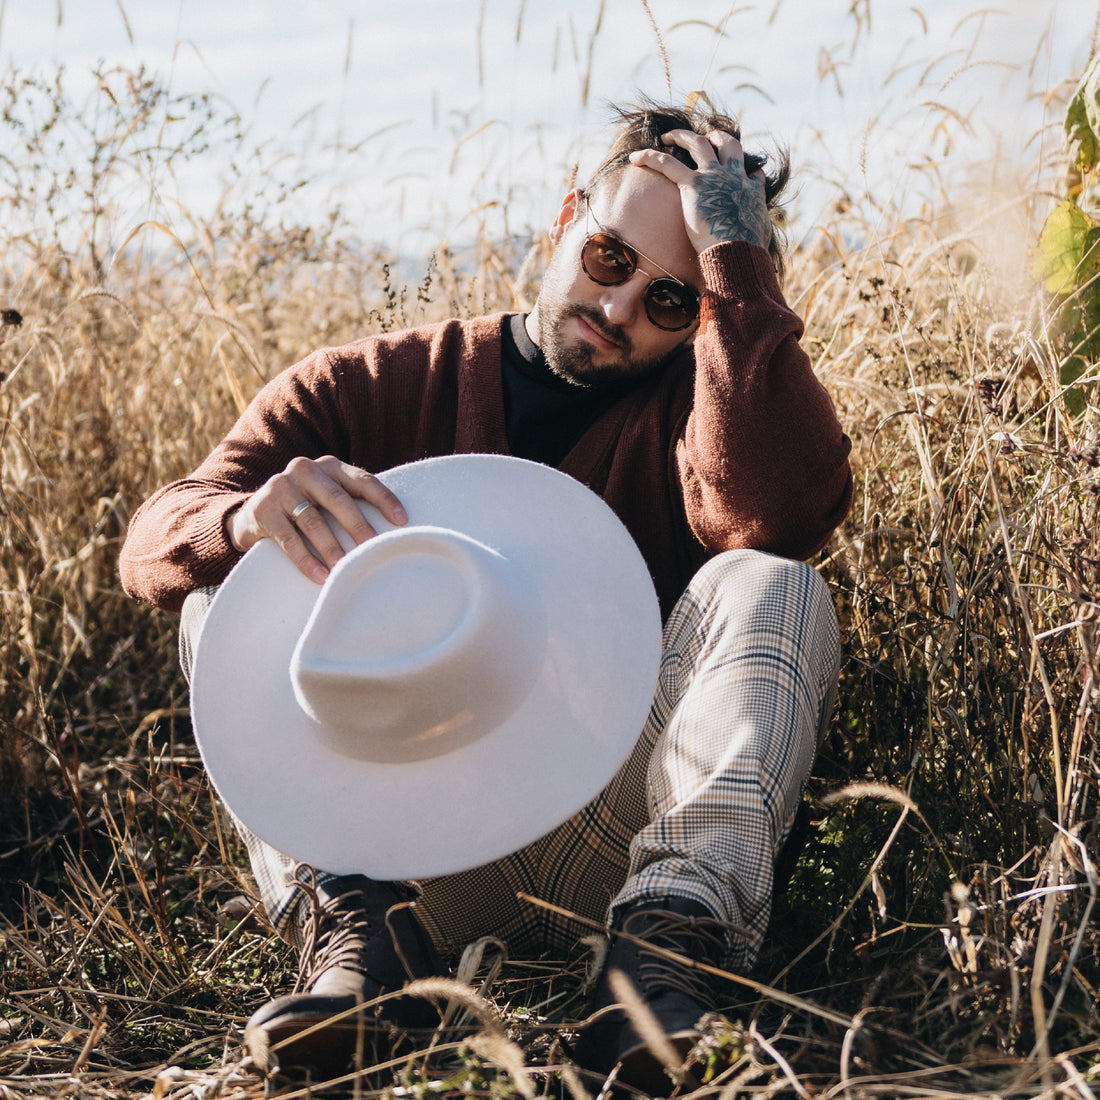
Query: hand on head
x,y
287,508
720,201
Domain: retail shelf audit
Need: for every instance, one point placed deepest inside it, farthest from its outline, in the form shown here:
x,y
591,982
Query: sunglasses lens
x,y
670,305
607,261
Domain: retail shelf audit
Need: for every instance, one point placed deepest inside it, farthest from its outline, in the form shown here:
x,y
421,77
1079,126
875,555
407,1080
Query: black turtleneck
x,y
544,414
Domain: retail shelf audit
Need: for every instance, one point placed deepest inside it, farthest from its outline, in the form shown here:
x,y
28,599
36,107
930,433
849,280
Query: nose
x,y
622,304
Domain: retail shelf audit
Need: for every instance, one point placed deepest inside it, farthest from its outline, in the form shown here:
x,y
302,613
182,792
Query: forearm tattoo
x,y
734,205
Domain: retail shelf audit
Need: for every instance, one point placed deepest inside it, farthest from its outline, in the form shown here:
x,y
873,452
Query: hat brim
x,y
552,756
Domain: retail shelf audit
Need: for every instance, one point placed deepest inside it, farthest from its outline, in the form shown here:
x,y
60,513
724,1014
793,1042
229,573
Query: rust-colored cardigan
x,y
735,446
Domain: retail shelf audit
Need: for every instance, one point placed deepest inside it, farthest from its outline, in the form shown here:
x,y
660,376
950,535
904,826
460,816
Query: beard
x,y
575,362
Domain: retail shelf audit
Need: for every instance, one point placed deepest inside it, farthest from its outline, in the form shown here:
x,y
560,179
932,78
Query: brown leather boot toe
x,y
678,996
362,942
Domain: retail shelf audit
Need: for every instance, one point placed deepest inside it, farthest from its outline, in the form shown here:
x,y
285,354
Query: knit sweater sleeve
x,y
177,539
763,461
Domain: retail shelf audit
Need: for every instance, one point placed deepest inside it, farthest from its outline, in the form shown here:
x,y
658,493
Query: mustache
x,y
597,320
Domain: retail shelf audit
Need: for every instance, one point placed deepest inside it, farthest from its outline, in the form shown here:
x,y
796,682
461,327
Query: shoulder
x,y
453,334
393,358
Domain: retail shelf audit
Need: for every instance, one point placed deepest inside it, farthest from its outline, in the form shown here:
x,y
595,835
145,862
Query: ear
x,y
569,207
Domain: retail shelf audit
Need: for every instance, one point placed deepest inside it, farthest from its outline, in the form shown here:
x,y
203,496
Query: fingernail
x,y
320,573
400,515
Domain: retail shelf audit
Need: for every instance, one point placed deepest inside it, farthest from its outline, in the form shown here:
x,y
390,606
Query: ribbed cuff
x,y
736,271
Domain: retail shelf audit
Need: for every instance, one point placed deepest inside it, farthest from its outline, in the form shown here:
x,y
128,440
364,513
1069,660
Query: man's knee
x,y
747,597
739,579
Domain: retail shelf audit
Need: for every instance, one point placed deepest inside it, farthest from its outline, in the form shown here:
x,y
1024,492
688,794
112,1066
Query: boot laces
x,y
336,935
701,939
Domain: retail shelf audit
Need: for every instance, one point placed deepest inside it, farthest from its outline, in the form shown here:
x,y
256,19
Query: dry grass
x,y
938,936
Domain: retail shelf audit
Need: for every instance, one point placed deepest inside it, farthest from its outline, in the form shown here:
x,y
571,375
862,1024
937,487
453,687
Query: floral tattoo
x,y
734,206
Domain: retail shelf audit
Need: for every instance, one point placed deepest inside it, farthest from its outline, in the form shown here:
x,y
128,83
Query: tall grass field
x,y
938,934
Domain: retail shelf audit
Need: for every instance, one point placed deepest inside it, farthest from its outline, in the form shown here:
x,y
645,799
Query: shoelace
x,y
697,938
335,935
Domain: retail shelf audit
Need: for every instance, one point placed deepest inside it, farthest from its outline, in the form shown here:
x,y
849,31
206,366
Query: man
x,y
660,367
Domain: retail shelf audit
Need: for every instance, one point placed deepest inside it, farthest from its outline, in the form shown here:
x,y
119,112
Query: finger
x,y
303,507
730,148
339,488
366,486
672,169
727,146
317,506
312,528
730,151
287,511
700,146
272,519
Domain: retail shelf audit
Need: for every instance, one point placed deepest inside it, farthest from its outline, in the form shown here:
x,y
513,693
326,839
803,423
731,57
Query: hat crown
x,y
422,641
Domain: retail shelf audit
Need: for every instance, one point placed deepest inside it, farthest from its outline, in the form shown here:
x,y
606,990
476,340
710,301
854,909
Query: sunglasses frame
x,y
632,254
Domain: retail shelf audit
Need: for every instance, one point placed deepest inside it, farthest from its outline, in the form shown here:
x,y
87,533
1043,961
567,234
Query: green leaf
x,y
1090,261
1071,369
1056,259
1083,118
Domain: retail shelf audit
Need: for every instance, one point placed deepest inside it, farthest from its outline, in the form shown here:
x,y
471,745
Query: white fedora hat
x,y
456,689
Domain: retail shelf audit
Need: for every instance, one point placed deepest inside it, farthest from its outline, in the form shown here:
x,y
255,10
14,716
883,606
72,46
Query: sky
x,y
440,116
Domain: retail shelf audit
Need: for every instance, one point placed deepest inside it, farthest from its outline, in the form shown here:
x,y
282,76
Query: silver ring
x,y
299,509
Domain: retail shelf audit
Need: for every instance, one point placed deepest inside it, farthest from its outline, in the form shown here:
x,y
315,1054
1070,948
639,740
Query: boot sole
x,y
640,1069
304,1036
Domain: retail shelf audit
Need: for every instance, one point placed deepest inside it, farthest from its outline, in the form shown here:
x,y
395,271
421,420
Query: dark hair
x,y
641,126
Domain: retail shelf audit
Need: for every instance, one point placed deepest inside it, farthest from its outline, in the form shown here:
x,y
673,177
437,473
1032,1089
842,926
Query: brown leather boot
x,y
361,941
677,995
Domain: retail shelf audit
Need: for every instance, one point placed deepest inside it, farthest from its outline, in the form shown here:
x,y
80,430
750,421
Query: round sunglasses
x,y
609,261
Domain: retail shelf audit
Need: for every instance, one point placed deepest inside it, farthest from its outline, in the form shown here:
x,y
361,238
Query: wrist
x,y
232,529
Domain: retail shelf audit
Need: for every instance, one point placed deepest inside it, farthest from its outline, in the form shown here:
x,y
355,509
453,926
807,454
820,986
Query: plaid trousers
x,y
700,809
